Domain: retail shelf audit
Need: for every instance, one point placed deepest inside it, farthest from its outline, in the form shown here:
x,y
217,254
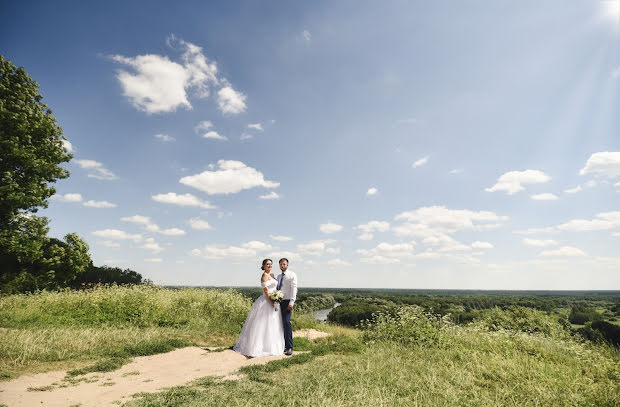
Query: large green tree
x,y
31,151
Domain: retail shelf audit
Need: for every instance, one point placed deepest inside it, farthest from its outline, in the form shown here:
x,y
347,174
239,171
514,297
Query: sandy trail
x,y
143,374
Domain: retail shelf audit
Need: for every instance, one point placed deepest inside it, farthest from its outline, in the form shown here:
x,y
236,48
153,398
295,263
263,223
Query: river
x,y
321,315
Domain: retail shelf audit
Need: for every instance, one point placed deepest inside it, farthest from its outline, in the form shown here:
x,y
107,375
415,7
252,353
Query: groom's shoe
x,y
288,352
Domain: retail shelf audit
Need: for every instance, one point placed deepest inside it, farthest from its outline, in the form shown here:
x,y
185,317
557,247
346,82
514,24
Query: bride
x,y
262,333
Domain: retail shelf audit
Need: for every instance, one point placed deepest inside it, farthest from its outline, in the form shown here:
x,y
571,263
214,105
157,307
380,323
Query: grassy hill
x,y
520,357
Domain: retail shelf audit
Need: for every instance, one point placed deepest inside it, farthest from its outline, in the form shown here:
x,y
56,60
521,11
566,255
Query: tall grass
x,y
38,331
419,359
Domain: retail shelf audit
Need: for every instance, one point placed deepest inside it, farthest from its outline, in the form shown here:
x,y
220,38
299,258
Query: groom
x,y
287,282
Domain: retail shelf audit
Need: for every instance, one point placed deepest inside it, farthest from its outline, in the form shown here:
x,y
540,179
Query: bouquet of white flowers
x,y
276,296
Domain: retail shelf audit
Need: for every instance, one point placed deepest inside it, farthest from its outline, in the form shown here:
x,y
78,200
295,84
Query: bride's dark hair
x,y
265,262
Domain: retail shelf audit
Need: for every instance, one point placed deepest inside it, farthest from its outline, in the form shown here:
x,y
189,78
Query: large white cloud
x,y
230,101
182,200
96,170
231,177
605,163
513,181
157,84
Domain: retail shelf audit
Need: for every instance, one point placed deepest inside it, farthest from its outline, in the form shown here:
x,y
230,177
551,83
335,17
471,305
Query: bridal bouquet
x,y
276,296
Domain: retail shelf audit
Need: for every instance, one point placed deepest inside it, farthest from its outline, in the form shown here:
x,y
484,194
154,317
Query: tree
x,y
31,151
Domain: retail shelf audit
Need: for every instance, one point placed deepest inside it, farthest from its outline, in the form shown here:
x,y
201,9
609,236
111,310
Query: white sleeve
x,y
293,289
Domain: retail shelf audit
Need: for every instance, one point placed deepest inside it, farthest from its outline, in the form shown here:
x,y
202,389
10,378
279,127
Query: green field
x,y
407,355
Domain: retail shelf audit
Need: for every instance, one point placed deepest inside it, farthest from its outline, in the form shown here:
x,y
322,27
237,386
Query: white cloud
x,y
199,224
280,238
99,204
214,135
67,198
445,243
156,260
230,101
67,145
420,162
565,251
534,231
604,163
291,256
330,228
545,197
246,136
116,234
371,227
109,243
430,220
379,260
456,171
540,243
306,35
604,221
182,200
151,227
159,85
172,232
338,262
573,190
372,191
397,250
230,178
271,195
249,249
314,248
481,245
204,128
255,126
512,181
96,170
151,245
332,250
165,138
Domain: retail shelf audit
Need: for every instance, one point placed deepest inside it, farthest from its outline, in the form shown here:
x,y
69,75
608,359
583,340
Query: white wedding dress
x,y
262,333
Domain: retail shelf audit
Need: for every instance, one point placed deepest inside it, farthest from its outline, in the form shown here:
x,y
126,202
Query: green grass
x,y
483,364
100,329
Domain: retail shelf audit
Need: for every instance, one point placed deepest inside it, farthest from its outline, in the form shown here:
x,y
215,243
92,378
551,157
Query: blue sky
x,y
376,144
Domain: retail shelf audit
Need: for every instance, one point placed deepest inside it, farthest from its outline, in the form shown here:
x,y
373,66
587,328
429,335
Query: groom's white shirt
x,y
289,285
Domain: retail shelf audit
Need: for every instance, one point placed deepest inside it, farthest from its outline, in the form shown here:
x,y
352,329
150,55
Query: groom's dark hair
x,y
283,258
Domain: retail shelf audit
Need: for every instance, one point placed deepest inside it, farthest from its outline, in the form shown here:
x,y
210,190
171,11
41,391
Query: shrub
x,y
523,319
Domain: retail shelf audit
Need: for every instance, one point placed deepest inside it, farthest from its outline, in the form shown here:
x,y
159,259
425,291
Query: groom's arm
x,y
293,290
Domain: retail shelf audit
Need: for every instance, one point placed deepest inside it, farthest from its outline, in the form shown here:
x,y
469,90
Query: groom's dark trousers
x,y
286,322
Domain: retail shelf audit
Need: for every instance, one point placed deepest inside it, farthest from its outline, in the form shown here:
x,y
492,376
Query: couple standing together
x,y
267,329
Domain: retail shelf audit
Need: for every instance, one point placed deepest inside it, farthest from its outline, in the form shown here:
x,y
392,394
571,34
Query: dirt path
x,y
143,374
